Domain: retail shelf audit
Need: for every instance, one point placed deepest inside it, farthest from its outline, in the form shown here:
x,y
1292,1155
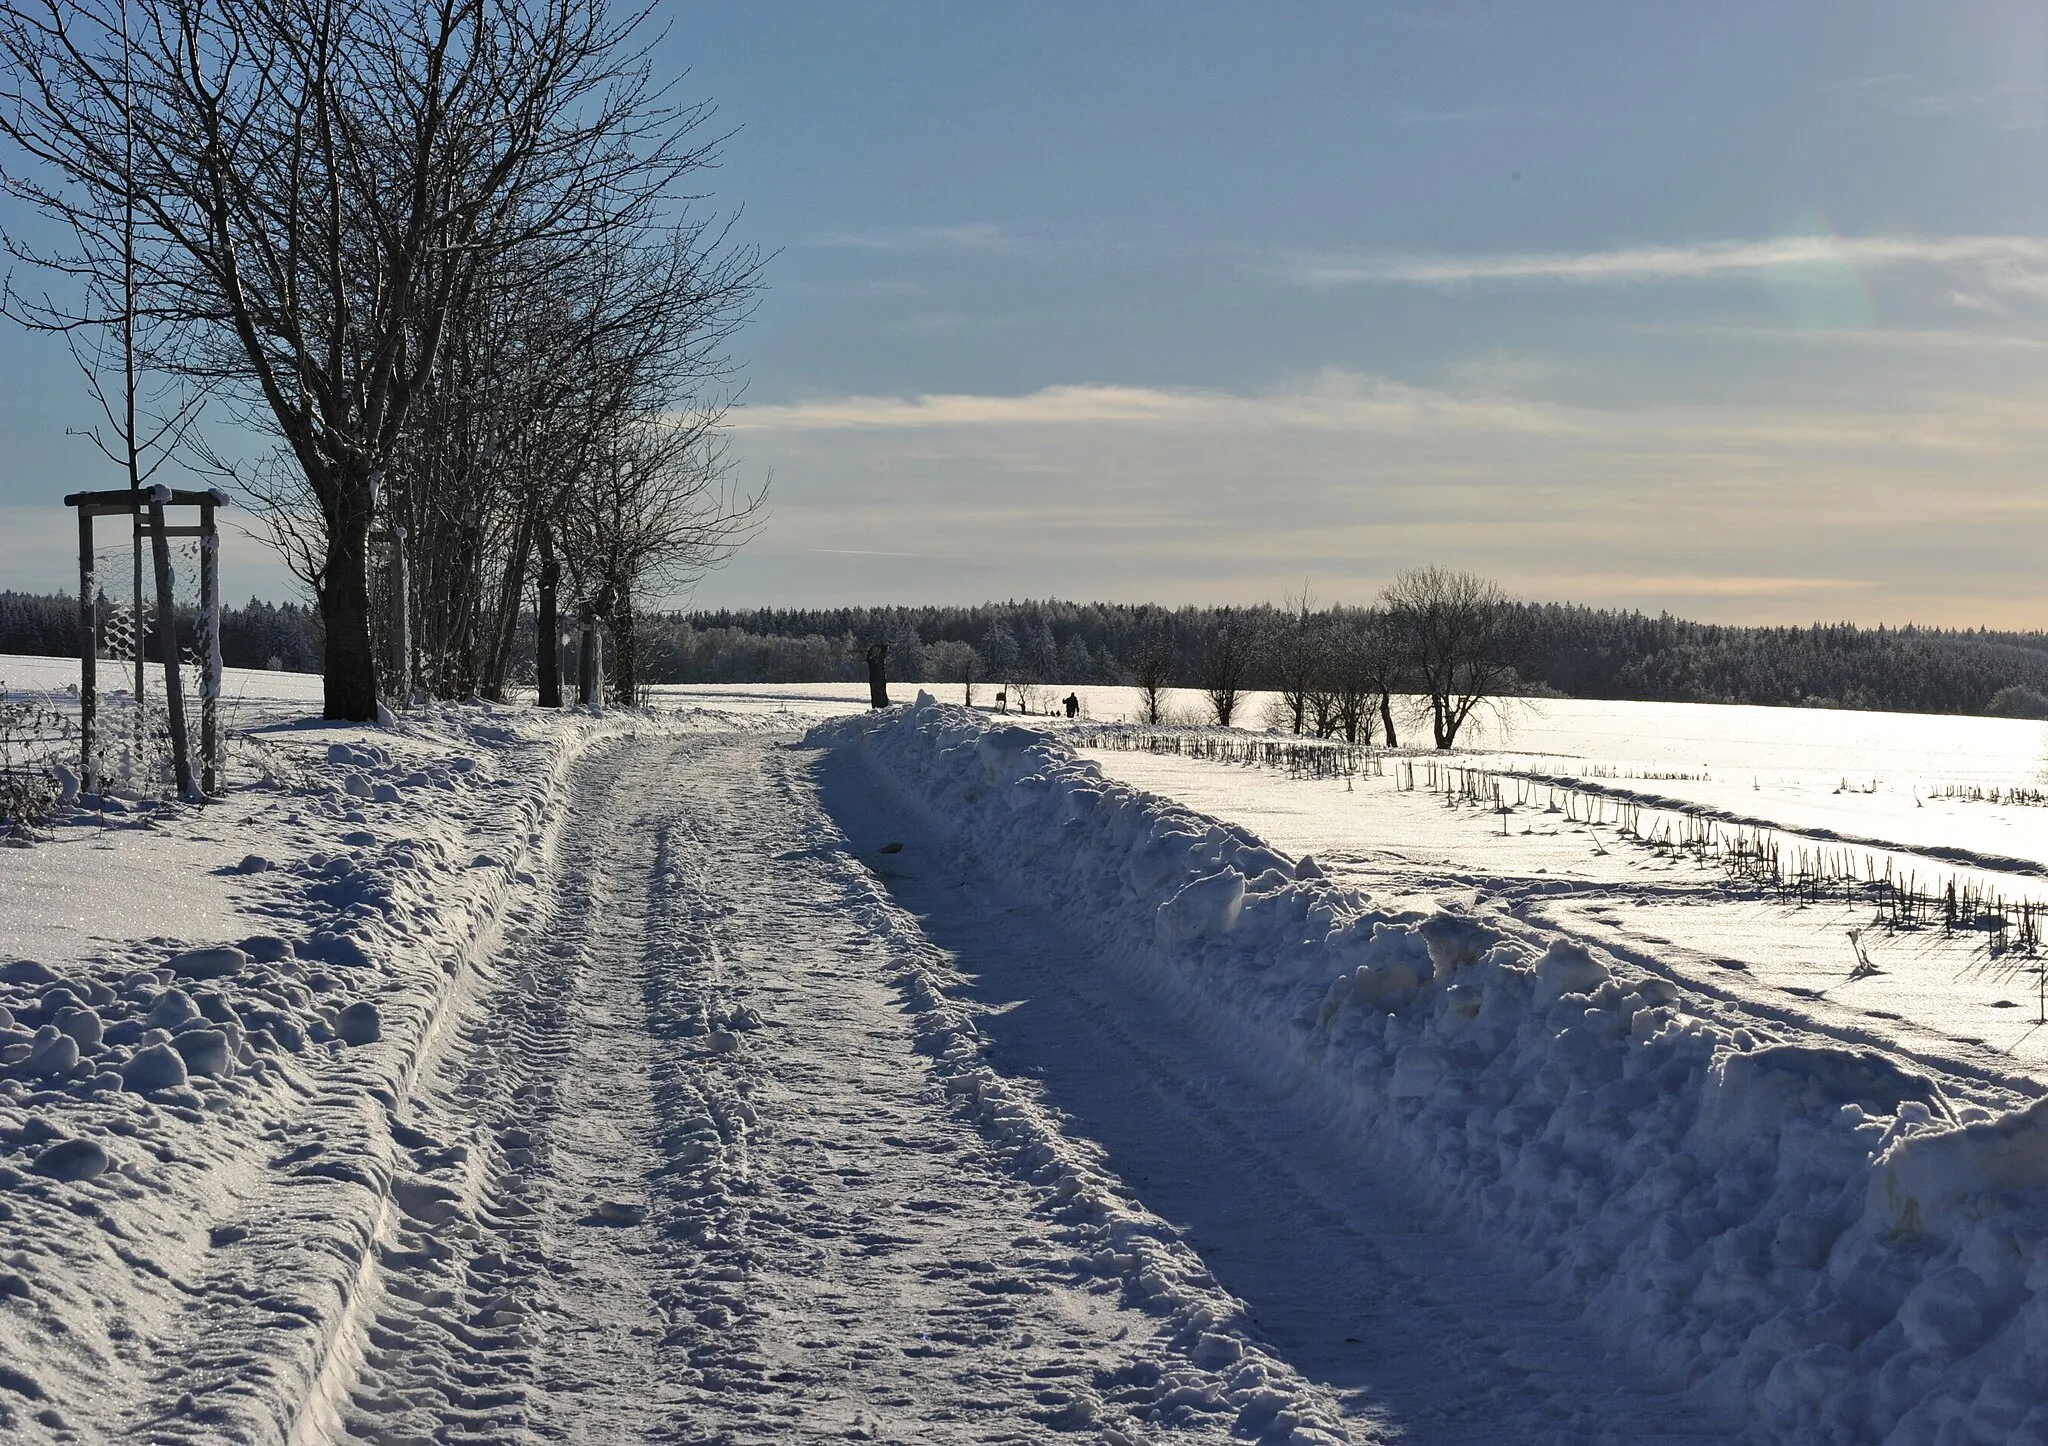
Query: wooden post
x,y
167,644
138,720
88,661
209,651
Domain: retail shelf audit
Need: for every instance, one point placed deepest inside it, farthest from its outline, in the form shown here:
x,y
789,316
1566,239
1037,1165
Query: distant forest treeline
x,y
259,635
1580,652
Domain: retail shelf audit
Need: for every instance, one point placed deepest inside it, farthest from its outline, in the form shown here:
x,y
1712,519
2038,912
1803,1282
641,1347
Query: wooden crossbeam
x,y
133,499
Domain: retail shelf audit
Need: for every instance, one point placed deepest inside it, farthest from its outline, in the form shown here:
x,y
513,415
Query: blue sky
x,y
1735,310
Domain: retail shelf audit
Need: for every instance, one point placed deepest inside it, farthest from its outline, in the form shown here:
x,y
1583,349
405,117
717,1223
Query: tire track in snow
x,y
681,1173
1349,1279
486,1263
900,1280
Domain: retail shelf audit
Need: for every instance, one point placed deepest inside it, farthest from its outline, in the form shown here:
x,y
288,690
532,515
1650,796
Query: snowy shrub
x,y
34,739
2018,702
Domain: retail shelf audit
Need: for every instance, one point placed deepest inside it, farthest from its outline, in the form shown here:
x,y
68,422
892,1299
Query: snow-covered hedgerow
x,y
1819,1240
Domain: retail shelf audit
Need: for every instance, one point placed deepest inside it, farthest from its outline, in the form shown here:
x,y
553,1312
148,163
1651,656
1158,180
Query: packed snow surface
x,y
676,1075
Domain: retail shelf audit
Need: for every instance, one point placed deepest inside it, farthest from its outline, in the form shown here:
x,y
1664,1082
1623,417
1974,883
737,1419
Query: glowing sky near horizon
x,y
1739,311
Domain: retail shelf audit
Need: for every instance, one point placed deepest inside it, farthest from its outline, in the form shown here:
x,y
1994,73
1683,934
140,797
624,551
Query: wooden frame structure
x,y
146,505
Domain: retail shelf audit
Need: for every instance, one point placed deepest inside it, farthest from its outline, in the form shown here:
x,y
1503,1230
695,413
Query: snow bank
x,y
1807,1236
197,1136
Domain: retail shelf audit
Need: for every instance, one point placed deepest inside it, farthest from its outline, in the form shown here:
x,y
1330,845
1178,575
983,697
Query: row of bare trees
x,y
1446,636
440,252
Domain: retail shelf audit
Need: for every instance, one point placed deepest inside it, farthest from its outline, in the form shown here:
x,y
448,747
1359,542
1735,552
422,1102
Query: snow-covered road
x,y
726,1193
723,1195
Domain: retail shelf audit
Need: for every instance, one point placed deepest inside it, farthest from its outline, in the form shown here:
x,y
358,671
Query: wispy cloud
x,y
1338,405
1330,402
1051,406
969,236
1873,488
1866,338
1696,585
2013,106
2011,256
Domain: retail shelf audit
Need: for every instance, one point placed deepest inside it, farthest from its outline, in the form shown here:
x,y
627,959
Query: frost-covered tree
x,y
1077,663
1295,655
1152,671
999,651
1040,660
907,654
952,661
2018,702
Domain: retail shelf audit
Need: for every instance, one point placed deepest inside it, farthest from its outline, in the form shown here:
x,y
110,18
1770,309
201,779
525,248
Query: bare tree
x,y
1323,698
114,323
952,661
1227,664
567,366
1453,630
1295,654
1360,666
323,181
1152,671
999,656
657,517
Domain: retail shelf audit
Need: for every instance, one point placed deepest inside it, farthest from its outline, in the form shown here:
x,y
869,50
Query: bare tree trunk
x,y
548,621
509,593
88,661
1387,718
878,680
401,619
350,677
140,720
128,381
209,652
625,652
588,673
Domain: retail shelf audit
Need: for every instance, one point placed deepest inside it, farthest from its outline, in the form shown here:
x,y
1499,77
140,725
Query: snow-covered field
x,y
683,1074
1571,859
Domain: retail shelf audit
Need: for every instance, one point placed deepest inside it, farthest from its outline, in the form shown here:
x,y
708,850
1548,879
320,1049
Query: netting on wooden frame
x,y
150,670
132,746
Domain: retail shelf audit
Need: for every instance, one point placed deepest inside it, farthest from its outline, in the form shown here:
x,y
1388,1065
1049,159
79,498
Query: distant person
x,y
1073,702
1002,700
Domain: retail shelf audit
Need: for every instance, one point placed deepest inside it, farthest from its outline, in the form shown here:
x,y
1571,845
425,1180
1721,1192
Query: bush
x,y
2018,702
